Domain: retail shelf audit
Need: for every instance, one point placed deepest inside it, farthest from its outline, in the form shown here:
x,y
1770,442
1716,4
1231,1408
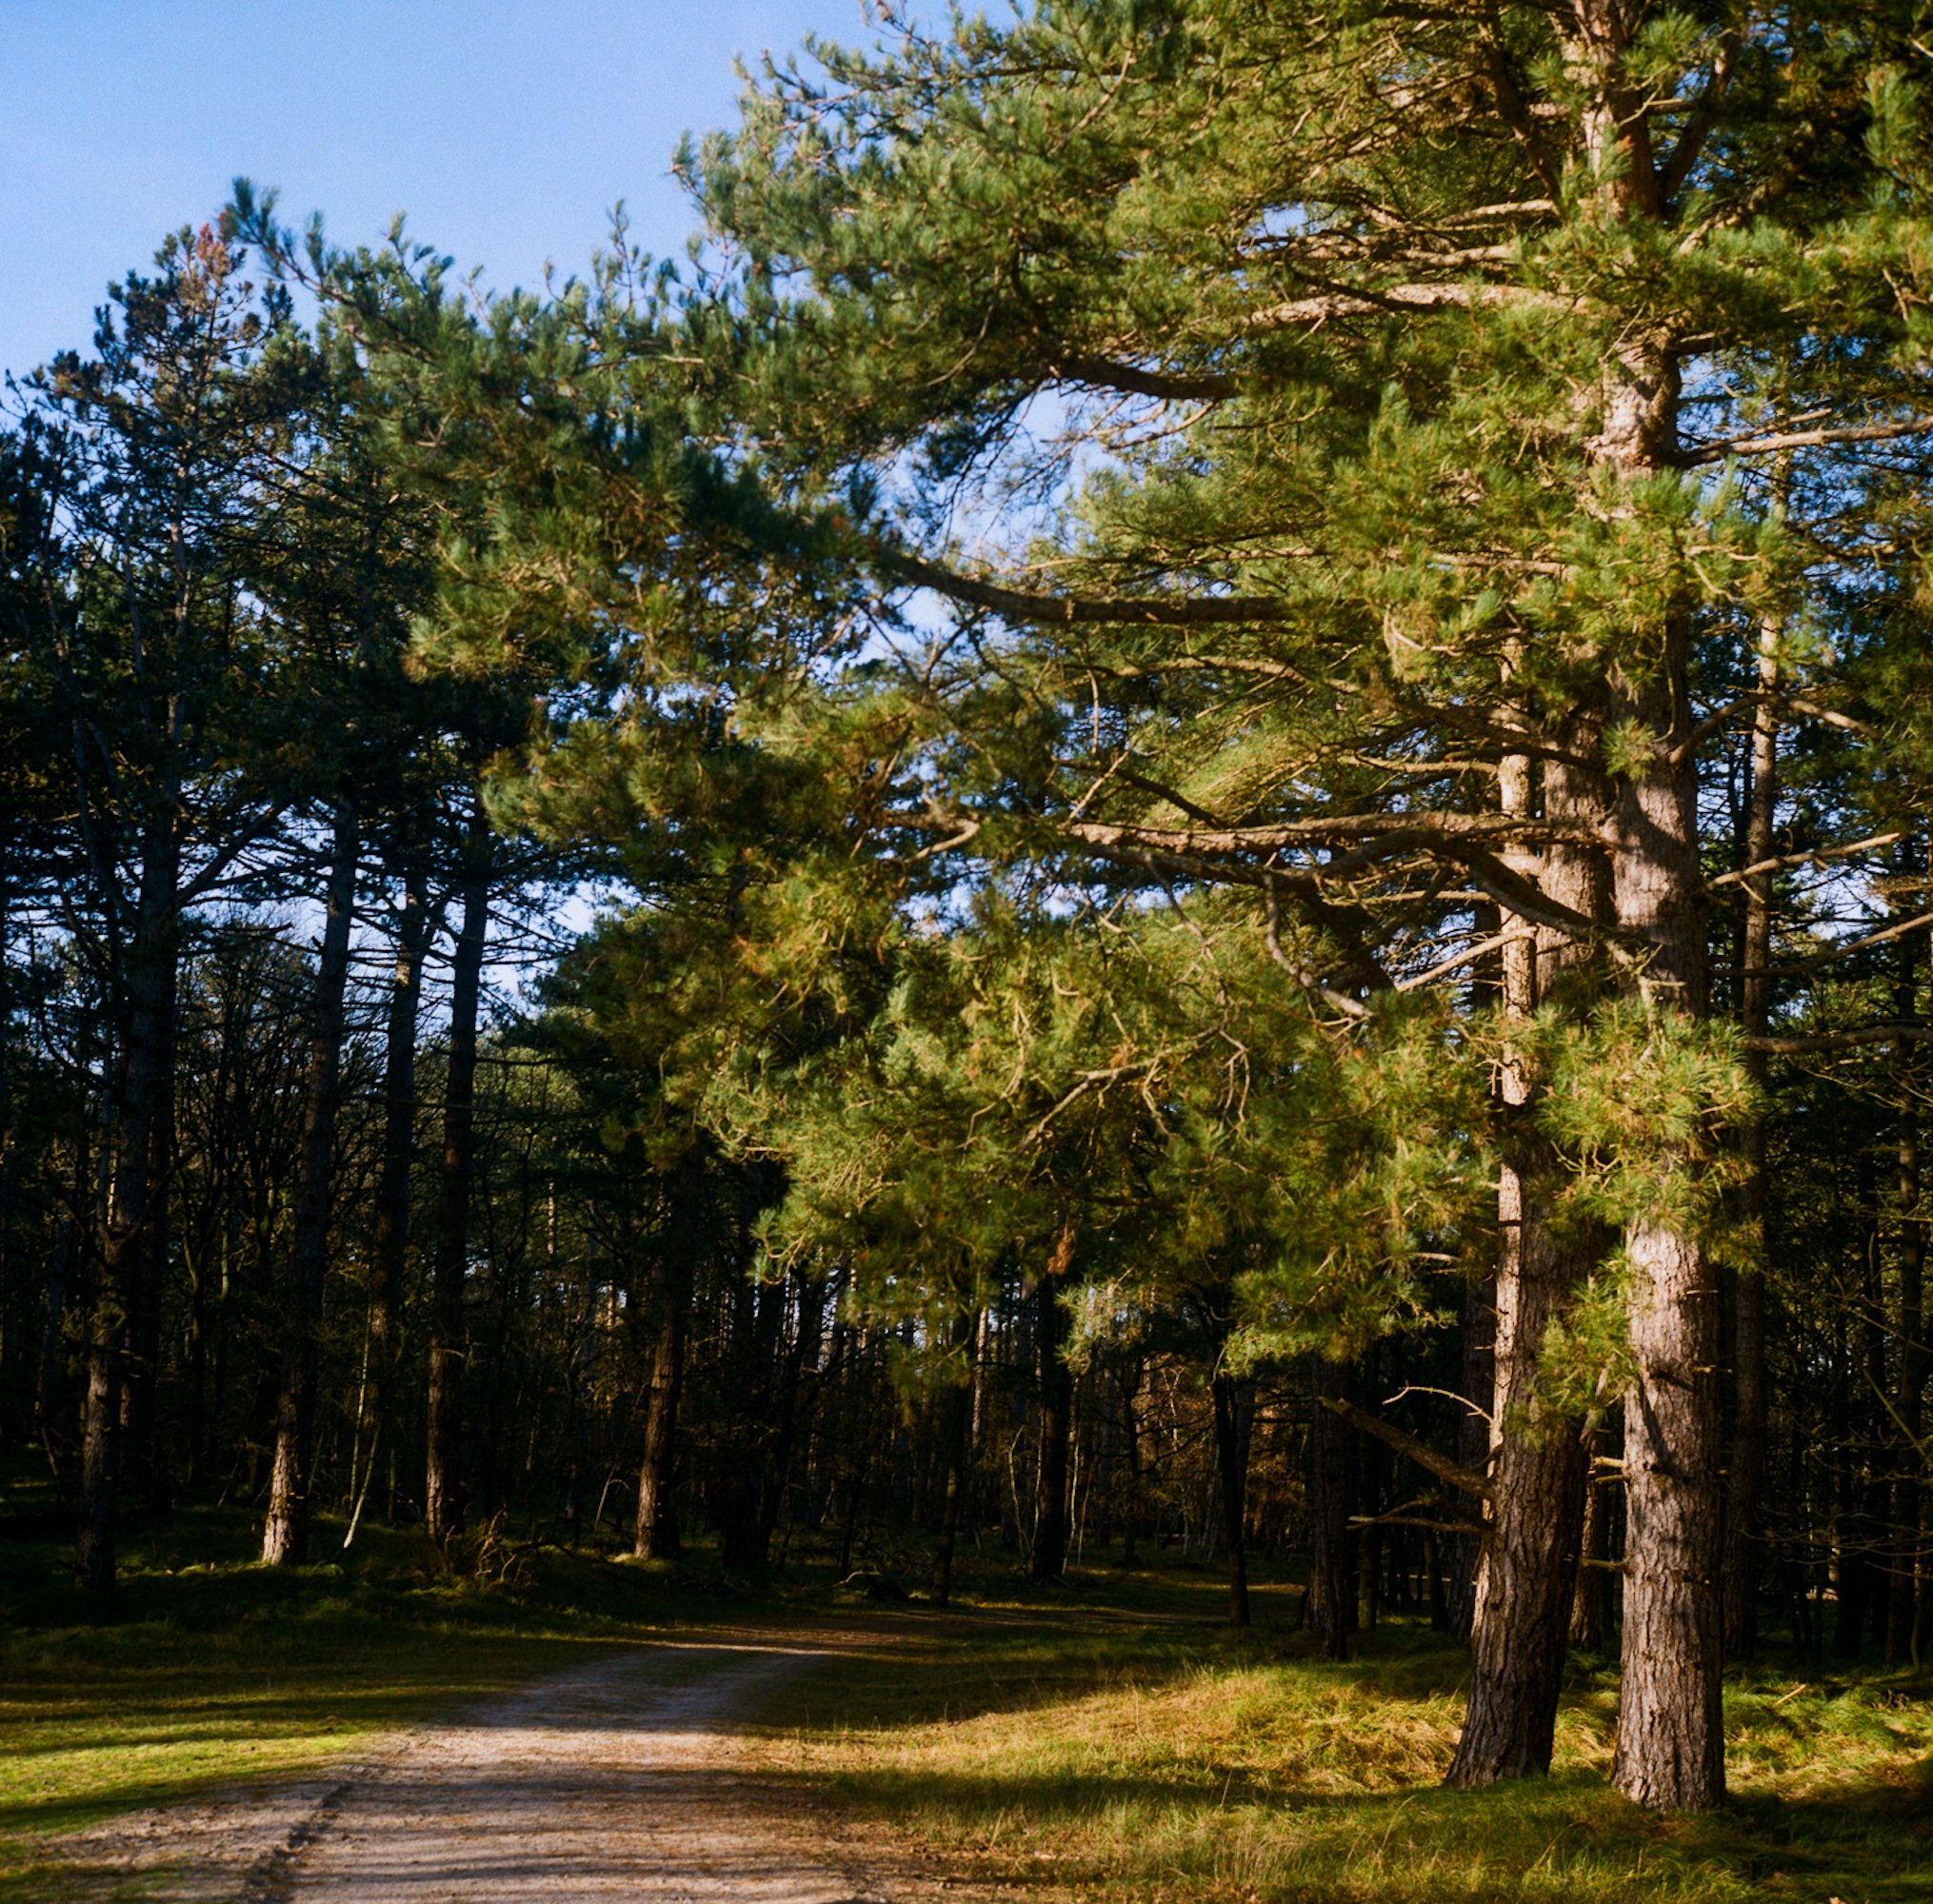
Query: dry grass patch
x,y
1069,1763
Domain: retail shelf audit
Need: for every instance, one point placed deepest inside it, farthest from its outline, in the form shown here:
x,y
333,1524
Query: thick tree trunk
x,y
1056,1389
1231,1462
657,1535
1528,1567
285,1536
1744,1544
443,1489
1670,1742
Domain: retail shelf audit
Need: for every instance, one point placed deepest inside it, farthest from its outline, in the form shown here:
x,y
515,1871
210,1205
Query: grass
x,y
209,1670
1112,1741
1084,1759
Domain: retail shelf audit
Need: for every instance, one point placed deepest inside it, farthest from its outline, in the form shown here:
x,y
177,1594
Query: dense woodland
x,y
1187,806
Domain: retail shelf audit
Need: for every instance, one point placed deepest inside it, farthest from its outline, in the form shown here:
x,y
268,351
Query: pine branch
x,y
1807,439
1107,373
1019,605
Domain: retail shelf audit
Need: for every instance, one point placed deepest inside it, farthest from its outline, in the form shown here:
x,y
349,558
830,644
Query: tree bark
x,y
285,1536
147,987
955,1428
1670,1740
1527,1566
1231,1461
442,1490
1056,1388
1902,1601
657,1525
1744,1544
1332,1572
390,1245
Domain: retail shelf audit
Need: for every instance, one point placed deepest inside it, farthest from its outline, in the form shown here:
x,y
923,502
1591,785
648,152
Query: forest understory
x,y
1106,1737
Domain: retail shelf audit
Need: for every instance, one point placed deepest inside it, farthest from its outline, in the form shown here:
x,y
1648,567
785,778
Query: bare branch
x,y
1427,1457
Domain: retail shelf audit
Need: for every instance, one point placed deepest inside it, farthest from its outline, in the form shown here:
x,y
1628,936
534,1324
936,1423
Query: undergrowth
x,y
1193,1768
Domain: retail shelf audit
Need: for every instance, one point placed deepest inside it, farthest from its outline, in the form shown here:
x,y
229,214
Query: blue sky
x,y
505,128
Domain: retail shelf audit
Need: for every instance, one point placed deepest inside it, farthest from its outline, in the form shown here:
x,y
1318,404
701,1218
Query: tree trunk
x,y
1745,1542
1231,1461
956,1421
146,1031
1473,1445
443,1489
143,1466
1332,1584
285,1536
657,1525
1670,1741
390,1245
1594,1546
1049,1560
1902,1601
1527,1566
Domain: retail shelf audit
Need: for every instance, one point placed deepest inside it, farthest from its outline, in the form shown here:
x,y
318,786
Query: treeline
x,y
1250,693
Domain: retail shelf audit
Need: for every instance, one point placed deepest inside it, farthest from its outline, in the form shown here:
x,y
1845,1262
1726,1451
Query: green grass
x,y
210,1670
1103,1740
1166,1763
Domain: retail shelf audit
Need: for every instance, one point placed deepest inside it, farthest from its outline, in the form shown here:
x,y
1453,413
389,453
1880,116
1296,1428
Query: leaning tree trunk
x,y
1527,1566
1049,1560
657,1525
442,1490
285,1534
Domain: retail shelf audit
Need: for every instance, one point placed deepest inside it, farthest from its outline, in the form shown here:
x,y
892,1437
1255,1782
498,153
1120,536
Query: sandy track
x,y
626,1777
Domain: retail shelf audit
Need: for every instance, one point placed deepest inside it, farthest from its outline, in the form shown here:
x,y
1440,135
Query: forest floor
x,y
552,1727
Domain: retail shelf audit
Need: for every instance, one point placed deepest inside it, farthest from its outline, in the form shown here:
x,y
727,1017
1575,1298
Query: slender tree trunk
x,y
1231,1461
1332,1586
1056,1380
956,1421
657,1524
129,1215
285,1536
1587,1596
442,1490
1473,1444
390,1245
143,1466
1745,1540
1903,1608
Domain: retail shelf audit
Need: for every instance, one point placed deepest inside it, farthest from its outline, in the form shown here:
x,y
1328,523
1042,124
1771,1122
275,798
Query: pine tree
x,y
1429,367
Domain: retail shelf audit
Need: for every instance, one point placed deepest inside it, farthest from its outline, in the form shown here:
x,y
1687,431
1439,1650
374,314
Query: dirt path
x,y
630,1777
